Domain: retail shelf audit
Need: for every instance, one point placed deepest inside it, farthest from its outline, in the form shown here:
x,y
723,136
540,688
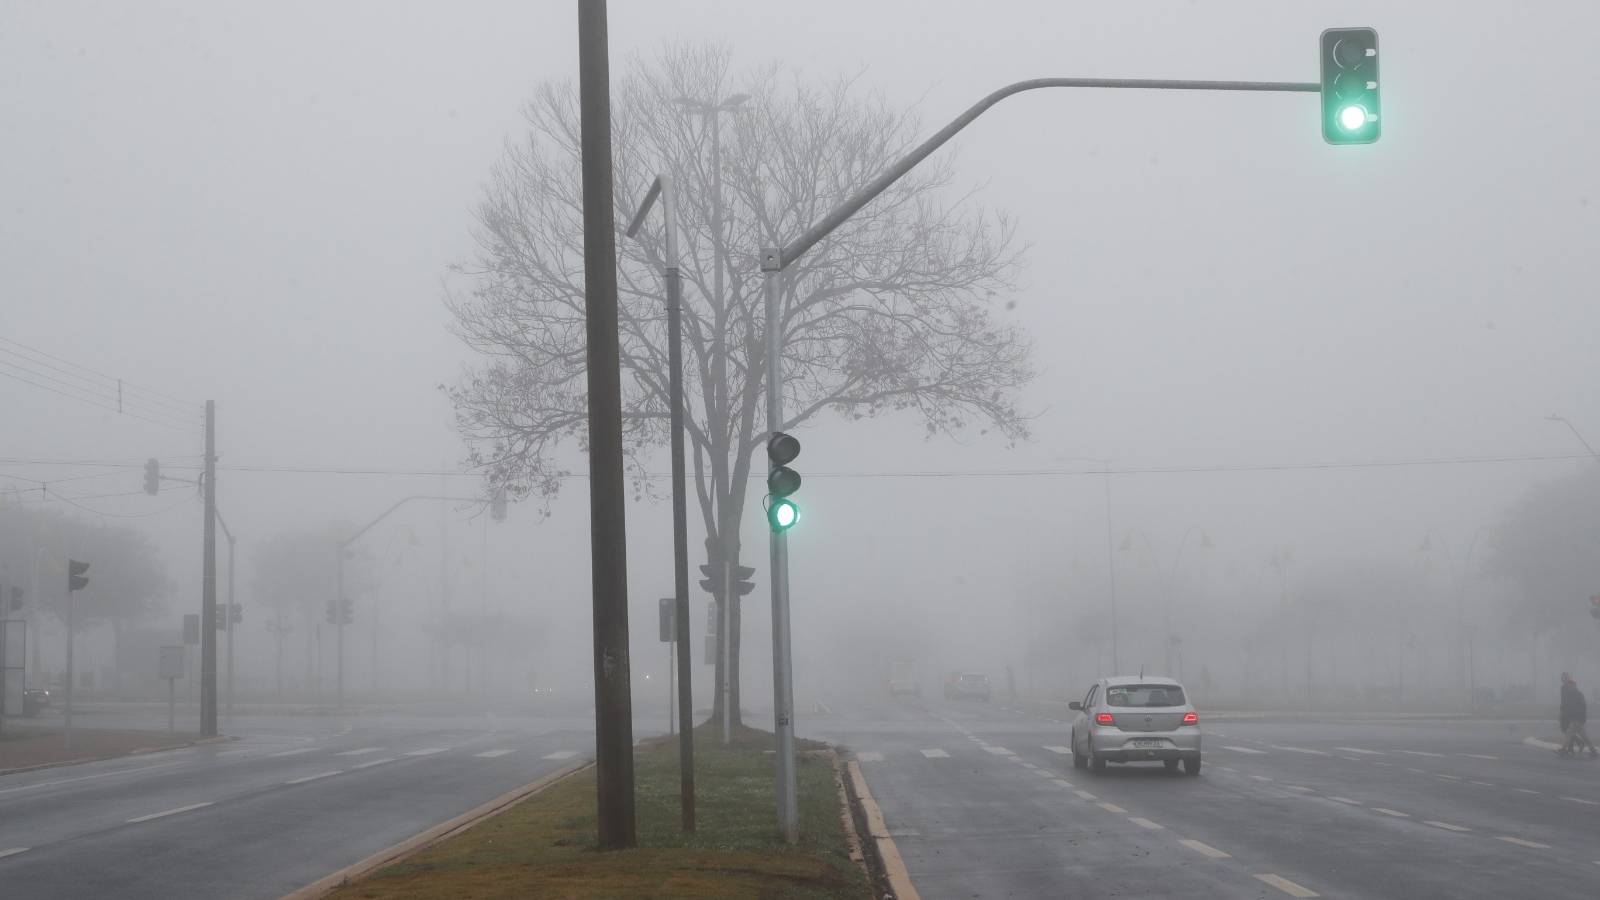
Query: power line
x,y
111,392
95,403
154,394
101,512
88,395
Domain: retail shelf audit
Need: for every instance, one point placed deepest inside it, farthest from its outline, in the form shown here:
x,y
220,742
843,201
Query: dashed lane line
x,y
12,852
1296,787
1260,777
40,784
1360,751
1480,756
1415,771
935,753
168,812
1391,812
1204,849
1024,763
1522,843
1532,741
1581,800
493,754
427,751
1445,825
295,752
1044,773
997,751
1287,886
1525,790
1063,782
360,751
314,777
1447,777
1085,795
375,762
1306,750
568,754
1423,753
1346,800
1481,783
1064,751
1144,823
1111,807
1243,749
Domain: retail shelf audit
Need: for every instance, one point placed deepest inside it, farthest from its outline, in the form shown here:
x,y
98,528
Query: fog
x,y
1291,399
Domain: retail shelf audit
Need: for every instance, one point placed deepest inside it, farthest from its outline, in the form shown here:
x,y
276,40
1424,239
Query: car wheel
x,y
1097,762
1079,761
1171,764
1191,766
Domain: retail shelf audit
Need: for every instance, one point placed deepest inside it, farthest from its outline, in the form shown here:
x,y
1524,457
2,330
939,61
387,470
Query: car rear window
x,y
1144,695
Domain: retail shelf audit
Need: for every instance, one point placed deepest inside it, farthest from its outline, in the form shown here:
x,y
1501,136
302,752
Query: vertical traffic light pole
x,y
208,585
663,188
227,617
775,259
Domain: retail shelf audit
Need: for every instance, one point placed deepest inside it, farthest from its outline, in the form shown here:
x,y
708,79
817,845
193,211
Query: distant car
x,y
33,700
903,678
1126,719
967,686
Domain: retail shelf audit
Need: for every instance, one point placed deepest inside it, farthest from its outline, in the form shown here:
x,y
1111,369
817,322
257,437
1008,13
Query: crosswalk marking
x,y
491,754
427,751
1204,849
935,753
1243,749
1064,751
314,777
1287,886
565,754
360,752
168,812
1445,825
376,762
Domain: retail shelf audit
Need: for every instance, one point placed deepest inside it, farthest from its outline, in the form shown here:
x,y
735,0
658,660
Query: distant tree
x,y
294,575
127,578
895,312
1546,547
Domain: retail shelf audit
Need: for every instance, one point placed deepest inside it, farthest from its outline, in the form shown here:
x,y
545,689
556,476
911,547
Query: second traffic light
x,y
782,481
77,577
1350,86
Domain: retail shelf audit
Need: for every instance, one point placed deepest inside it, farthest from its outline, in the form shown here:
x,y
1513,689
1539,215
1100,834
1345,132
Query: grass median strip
x,y
545,845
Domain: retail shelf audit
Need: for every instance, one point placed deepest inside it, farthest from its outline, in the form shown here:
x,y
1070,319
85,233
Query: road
x,y
294,799
983,802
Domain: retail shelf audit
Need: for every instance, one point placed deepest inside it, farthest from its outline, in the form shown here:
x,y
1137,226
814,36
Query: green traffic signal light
x,y
782,514
782,481
1350,110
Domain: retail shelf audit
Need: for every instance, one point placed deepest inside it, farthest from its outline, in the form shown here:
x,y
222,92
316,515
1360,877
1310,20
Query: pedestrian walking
x,y
1574,719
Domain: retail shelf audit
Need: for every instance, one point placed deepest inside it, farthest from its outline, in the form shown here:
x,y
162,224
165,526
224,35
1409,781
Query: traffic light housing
x,y
12,595
782,481
76,579
497,505
1594,606
341,611
1350,108
712,583
152,476
237,613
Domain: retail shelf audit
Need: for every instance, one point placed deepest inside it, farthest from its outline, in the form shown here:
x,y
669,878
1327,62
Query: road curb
x,y
138,751
894,867
422,840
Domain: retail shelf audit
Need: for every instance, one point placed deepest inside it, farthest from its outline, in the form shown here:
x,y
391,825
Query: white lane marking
x,y
1422,753
1542,745
1044,773
360,752
1581,800
1242,749
1063,782
1522,843
935,753
1386,765
1296,787
998,751
1064,751
1225,768
1481,783
376,762
1450,777
295,752
1144,823
1298,750
1111,807
1360,751
1260,777
1415,771
1391,812
1480,756
491,754
1085,795
427,751
1204,849
1349,758
1346,800
29,787
1025,763
1287,886
12,852
169,812
1445,825
1525,790
314,777
565,754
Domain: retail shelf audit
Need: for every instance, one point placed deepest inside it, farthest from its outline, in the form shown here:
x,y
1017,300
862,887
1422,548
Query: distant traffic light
x,y
497,505
341,611
1350,108
237,612
76,579
1594,606
712,583
152,476
12,595
782,481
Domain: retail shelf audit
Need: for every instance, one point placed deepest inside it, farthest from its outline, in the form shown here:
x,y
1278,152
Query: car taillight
x,y
1190,718
1104,719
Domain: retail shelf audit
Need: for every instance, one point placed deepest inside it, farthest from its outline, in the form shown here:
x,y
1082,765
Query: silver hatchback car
x,y
1128,719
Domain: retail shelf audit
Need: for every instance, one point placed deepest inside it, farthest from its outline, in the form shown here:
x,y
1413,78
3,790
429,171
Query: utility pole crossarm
x,y
848,208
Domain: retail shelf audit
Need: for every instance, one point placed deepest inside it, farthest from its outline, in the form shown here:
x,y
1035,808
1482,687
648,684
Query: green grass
x,y
545,846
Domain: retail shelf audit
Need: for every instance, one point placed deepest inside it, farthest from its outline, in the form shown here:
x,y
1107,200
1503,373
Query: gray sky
x,y
256,203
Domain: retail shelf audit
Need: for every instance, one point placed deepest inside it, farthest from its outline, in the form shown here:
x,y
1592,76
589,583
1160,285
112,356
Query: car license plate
x,y
1148,744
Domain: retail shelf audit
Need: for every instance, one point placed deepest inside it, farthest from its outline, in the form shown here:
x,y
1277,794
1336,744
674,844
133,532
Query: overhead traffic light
x,y
152,476
341,611
782,481
12,595
76,579
712,583
1350,109
1594,606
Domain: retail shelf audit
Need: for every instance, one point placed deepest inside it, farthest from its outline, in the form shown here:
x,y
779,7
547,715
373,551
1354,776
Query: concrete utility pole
x,y
208,585
613,709
228,614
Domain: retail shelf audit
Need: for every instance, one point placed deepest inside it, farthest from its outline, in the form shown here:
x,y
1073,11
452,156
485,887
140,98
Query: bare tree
x,y
894,312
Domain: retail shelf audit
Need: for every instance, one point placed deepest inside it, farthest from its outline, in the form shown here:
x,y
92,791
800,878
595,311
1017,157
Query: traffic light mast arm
x,y
797,248
399,503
